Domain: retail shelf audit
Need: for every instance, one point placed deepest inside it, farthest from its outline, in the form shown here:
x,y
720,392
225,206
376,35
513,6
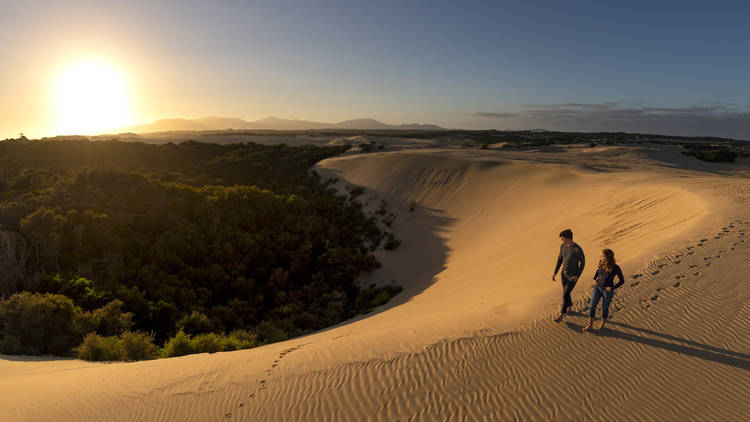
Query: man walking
x,y
572,260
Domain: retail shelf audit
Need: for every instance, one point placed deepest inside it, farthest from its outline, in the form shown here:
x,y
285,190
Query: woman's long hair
x,y
608,262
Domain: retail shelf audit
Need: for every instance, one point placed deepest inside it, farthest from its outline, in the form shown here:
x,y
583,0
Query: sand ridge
x,y
470,337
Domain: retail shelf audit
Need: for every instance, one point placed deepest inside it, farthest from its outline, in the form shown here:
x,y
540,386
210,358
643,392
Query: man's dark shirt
x,y
571,259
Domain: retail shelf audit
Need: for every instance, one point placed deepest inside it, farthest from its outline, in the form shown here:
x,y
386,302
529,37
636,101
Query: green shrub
x,y
269,333
42,323
195,323
97,348
381,298
184,344
179,345
391,242
208,343
79,289
137,346
109,320
371,297
241,339
11,345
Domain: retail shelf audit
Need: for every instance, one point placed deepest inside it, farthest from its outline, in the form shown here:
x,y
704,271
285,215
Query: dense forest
x,y
132,246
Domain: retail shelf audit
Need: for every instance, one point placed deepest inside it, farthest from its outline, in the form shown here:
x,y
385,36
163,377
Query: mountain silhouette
x,y
270,123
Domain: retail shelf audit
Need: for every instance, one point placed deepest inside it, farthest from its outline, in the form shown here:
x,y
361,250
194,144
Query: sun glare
x,y
91,97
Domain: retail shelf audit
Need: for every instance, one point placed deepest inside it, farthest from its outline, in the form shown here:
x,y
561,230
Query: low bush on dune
x,y
129,346
137,346
98,348
375,296
184,344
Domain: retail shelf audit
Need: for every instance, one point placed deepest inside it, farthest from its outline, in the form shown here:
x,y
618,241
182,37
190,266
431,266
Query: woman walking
x,y
604,287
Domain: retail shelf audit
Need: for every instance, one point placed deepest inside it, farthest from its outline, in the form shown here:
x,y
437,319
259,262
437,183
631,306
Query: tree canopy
x,y
191,236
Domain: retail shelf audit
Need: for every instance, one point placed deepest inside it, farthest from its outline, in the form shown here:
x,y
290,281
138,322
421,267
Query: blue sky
x,y
669,67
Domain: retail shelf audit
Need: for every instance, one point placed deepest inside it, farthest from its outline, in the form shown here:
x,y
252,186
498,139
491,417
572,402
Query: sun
x,y
91,97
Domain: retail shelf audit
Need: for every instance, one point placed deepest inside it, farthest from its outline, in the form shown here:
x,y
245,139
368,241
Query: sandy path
x,y
470,337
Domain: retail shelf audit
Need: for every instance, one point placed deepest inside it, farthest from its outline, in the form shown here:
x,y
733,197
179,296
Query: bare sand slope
x,y
470,337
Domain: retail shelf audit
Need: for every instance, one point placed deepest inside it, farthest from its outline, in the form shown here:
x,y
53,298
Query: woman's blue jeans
x,y
600,293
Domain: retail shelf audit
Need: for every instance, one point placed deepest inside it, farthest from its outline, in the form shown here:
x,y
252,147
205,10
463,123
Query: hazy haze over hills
x,y
221,123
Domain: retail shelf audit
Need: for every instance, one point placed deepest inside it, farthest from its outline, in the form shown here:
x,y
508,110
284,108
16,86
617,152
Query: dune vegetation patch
x,y
128,244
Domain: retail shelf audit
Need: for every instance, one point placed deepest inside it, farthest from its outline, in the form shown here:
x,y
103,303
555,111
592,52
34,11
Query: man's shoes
x,y
560,318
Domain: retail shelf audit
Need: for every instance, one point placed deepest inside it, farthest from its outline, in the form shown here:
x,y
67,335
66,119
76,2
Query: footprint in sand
x,y
690,253
703,240
655,272
708,264
635,276
679,276
677,261
654,297
677,284
635,284
697,273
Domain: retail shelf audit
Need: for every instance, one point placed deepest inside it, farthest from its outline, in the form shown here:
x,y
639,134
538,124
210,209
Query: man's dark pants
x,y
568,284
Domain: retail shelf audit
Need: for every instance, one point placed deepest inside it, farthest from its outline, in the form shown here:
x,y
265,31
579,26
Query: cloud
x,y
707,119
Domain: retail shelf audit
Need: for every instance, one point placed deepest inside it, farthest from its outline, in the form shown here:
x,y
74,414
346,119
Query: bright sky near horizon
x,y
676,67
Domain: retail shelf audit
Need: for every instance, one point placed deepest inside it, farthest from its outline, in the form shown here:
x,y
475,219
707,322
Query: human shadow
x,y
681,345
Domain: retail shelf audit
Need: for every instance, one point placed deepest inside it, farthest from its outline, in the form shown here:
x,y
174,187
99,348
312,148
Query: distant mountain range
x,y
272,123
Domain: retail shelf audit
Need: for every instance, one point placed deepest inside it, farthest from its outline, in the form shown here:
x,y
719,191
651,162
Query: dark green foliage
x,y
110,320
129,346
391,242
98,348
710,153
179,345
196,323
372,296
137,346
194,237
35,323
80,289
41,323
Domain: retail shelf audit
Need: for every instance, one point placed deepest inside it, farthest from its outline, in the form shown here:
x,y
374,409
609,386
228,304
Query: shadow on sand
x,y
673,344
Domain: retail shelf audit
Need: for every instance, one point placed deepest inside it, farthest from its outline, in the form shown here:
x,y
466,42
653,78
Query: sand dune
x,y
470,337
